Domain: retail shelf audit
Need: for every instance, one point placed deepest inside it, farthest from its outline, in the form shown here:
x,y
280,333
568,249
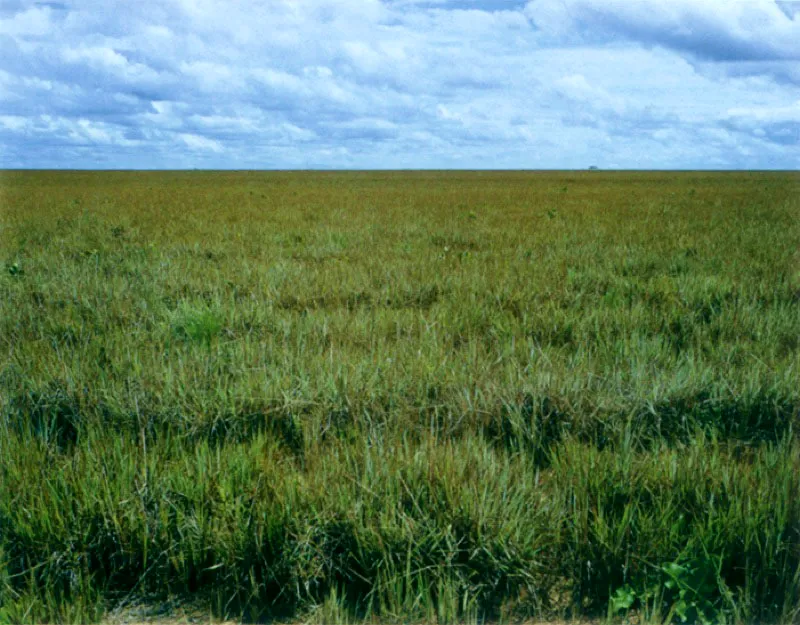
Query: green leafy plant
x,y
623,599
694,589
14,269
690,588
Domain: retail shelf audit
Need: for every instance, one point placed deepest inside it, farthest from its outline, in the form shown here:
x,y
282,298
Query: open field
x,y
401,396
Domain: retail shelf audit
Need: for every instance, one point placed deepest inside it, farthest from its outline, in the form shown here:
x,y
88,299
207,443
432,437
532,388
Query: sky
x,y
400,84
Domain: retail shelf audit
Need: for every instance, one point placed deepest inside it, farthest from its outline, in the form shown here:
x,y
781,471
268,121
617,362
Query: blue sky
x,y
400,84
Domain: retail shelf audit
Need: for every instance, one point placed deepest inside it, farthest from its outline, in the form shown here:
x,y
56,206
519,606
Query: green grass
x,y
398,396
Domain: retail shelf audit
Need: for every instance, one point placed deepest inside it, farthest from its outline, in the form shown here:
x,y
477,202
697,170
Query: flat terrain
x,y
425,396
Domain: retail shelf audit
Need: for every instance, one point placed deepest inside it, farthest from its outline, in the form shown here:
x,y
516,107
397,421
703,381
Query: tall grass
x,y
435,396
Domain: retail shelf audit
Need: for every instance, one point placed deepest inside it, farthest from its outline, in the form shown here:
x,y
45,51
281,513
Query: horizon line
x,y
596,169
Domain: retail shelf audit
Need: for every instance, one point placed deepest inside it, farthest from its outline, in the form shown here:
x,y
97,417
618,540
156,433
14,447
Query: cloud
x,y
720,30
778,124
738,38
399,83
197,142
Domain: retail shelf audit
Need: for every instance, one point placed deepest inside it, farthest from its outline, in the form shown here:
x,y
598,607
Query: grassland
x,y
401,396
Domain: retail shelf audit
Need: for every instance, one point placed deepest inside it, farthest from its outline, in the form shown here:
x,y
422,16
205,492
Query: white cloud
x,y
14,122
772,114
32,22
400,83
718,29
197,142
577,88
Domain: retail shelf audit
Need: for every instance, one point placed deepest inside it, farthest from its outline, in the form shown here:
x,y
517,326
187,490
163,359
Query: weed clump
x,y
197,324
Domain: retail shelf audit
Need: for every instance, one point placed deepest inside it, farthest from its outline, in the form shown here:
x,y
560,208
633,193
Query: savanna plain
x,y
401,396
